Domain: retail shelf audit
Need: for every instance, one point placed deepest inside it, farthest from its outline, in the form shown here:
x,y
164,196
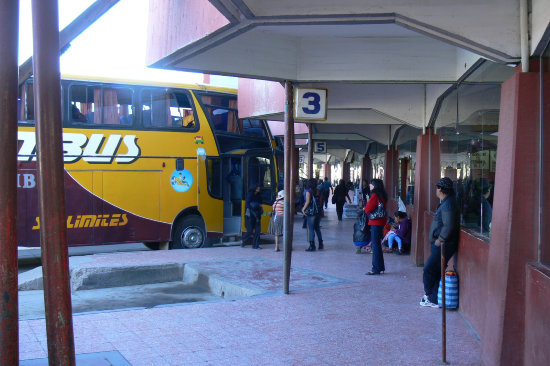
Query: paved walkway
x,y
335,315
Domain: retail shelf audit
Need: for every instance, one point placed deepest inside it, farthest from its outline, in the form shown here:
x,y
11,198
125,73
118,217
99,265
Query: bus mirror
x,y
179,164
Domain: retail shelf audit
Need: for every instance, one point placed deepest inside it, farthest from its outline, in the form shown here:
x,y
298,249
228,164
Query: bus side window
x,y
26,103
167,110
253,127
222,111
154,108
99,105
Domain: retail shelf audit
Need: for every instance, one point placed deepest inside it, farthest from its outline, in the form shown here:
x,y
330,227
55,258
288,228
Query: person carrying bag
x,y
277,221
312,210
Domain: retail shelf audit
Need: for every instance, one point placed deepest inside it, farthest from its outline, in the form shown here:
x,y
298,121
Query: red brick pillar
x,y
366,168
346,171
390,172
514,241
327,172
426,176
403,182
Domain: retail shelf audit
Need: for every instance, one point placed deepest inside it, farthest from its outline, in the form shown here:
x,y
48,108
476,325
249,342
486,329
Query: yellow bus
x,y
147,162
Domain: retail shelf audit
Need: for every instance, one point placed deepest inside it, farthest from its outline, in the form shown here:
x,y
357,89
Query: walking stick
x,y
443,308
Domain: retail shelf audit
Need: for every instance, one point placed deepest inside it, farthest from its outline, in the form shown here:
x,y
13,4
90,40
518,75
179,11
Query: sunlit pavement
x,y
334,315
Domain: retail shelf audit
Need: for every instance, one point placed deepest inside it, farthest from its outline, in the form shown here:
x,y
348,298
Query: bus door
x,y
259,171
232,193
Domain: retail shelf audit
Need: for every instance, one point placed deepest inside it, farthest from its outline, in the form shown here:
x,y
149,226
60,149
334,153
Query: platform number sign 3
x,y
310,104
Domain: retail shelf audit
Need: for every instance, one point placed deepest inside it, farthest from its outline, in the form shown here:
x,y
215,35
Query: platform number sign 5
x,y
320,147
310,104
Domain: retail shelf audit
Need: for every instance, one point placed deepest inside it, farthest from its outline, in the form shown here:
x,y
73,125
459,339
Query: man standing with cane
x,y
443,231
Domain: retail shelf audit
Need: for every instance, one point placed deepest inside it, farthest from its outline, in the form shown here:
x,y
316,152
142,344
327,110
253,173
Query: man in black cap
x,y
443,231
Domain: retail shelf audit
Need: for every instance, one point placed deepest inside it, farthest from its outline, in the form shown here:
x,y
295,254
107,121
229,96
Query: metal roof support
x,y
51,192
289,184
309,151
9,316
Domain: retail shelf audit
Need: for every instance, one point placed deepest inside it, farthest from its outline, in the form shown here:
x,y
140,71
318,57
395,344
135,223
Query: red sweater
x,y
371,206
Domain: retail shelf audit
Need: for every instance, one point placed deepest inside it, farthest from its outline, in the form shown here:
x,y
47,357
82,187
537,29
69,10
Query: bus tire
x,y
189,233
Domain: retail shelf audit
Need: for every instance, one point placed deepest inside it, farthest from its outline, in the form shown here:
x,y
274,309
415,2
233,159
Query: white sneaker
x,y
427,303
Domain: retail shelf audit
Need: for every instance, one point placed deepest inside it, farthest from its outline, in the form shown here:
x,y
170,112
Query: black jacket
x,y
341,192
446,222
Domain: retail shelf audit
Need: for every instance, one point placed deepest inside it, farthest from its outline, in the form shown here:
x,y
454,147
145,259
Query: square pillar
x,y
328,172
346,171
391,171
514,234
426,176
366,168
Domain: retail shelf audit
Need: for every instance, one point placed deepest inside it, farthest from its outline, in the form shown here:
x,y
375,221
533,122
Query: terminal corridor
x,y
334,315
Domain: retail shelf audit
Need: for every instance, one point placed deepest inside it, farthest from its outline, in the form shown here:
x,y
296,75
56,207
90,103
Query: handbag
x,y
333,199
363,222
312,209
379,212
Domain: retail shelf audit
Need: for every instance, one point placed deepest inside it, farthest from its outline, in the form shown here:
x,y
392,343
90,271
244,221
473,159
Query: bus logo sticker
x,y
181,180
199,140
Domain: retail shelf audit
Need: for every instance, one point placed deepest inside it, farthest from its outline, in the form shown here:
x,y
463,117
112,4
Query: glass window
x,y
467,123
166,109
96,105
260,173
213,171
406,146
377,153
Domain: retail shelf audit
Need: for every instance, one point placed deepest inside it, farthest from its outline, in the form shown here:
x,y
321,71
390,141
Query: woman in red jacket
x,y
377,220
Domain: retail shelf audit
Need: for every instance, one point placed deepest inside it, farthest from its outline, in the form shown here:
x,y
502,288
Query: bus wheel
x,y
189,233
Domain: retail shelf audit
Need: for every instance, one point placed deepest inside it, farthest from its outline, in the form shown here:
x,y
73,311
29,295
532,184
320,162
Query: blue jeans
x,y
432,269
314,226
392,238
377,255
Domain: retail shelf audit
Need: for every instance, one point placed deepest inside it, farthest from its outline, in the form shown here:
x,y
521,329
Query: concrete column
x,y
390,171
514,234
426,176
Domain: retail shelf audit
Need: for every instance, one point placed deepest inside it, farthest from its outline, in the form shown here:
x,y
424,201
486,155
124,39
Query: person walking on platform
x,y
276,222
444,230
327,190
339,198
253,217
313,210
376,211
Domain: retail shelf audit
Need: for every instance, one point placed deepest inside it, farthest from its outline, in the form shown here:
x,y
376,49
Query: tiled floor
x,y
352,320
